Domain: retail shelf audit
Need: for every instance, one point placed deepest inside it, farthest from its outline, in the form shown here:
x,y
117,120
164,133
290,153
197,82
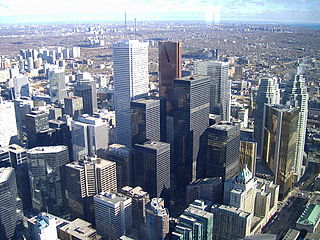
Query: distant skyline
x,y
214,11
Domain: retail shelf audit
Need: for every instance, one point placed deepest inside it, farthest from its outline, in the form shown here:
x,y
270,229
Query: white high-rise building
x,y
57,82
296,95
268,93
113,215
89,135
131,81
220,86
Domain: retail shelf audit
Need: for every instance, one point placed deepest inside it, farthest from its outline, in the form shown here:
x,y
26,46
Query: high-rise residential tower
x,y
170,60
191,111
279,144
296,95
131,81
268,93
220,86
45,173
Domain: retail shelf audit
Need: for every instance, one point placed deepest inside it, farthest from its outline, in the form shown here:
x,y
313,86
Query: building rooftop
x,y
99,162
157,207
112,198
16,148
310,215
79,229
234,210
156,145
206,181
47,149
222,126
244,176
5,174
134,192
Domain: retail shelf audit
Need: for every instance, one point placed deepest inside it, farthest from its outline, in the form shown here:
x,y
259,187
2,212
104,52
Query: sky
x,y
37,11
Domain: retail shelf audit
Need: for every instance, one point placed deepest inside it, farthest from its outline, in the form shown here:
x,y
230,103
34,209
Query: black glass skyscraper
x,y
191,118
221,155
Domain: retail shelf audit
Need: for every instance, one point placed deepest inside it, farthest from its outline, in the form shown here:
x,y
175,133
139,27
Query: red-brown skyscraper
x,y
169,69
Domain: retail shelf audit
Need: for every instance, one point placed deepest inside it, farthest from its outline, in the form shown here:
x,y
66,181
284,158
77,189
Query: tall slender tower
x,y
220,86
131,81
268,93
296,95
169,69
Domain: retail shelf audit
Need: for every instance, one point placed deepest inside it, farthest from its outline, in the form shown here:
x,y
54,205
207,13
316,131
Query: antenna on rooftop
x,y
135,28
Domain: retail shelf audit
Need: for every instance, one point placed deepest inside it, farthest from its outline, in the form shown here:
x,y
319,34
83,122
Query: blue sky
x,y
25,11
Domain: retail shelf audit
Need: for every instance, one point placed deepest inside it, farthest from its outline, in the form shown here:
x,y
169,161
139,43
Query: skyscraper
x,y
279,144
131,81
221,155
57,83
87,89
113,215
36,121
152,167
170,64
9,214
220,86
157,219
195,224
122,156
21,87
296,95
89,136
73,106
8,125
191,111
45,166
268,93
145,120
84,179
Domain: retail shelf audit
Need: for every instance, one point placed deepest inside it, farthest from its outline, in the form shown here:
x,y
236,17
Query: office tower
x,y
152,167
84,179
21,87
145,120
122,156
139,200
36,121
157,217
57,90
89,136
296,95
195,224
87,89
191,111
77,229
221,155
268,93
131,81
75,52
22,107
66,53
55,113
73,106
9,214
43,226
8,125
45,172
205,188
170,65
30,64
248,155
240,192
279,144
230,222
220,86
16,157
113,215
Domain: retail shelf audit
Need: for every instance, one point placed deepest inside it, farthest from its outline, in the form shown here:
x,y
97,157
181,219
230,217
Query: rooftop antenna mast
x,y
125,22
135,28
